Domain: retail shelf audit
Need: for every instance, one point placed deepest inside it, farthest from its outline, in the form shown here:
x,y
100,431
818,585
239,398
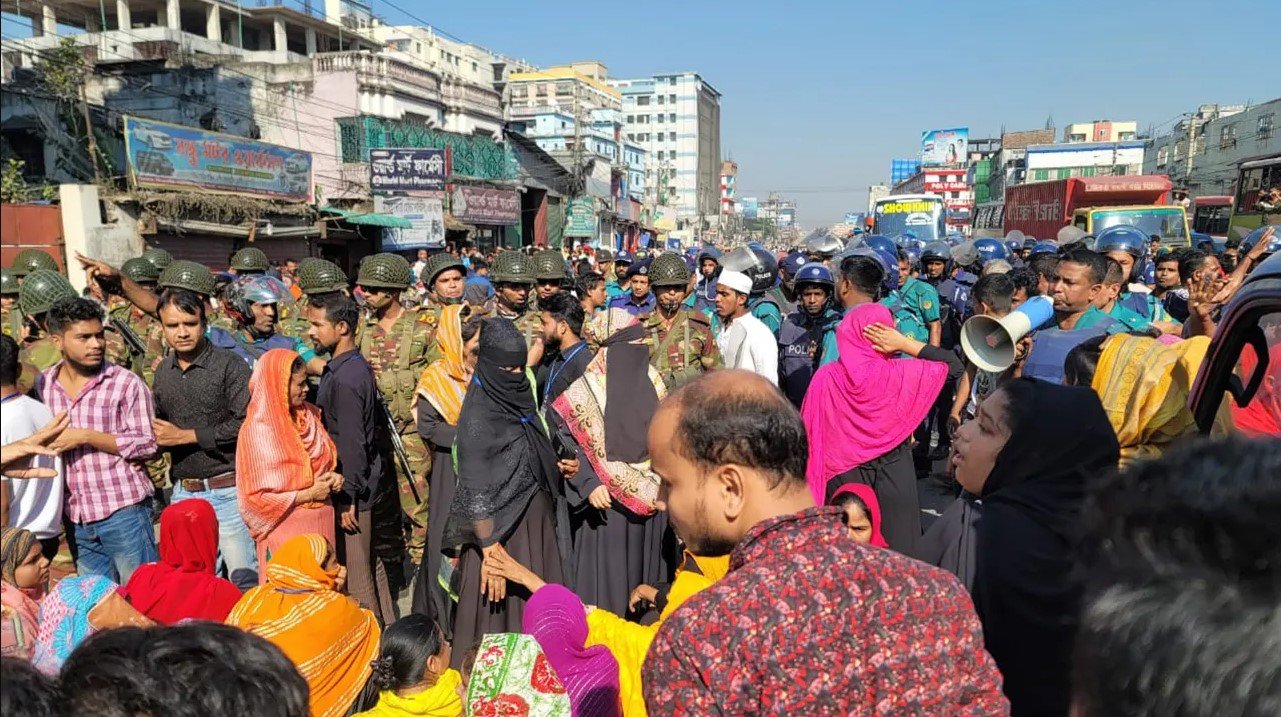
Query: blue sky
x,y
819,96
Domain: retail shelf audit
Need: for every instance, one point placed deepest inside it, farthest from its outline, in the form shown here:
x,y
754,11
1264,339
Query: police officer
x,y
253,302
765,300
513,277
990,250
398,343
40,290
616,283
954,292
682,346
10,316
445,277
1126,245
787,270
144,326
915,304
708,262
549,273
805,330
638,299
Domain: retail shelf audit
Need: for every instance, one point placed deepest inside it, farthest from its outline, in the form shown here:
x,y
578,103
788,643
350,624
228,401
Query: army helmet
x,y
41,289
8,283
320,276
437,263
183,274
669,270
140,271
549,265
158,258
511,267
250,260
384,271
29,260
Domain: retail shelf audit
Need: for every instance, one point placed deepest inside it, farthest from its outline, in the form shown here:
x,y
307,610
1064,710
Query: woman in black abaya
x,y
1027,456
506,492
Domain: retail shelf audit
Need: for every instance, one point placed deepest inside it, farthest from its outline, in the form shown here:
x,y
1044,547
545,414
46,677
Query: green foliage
x,y
14,188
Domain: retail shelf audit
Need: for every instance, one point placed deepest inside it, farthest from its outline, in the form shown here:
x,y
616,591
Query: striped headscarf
x,y
15,544
280,449
444,383
326,634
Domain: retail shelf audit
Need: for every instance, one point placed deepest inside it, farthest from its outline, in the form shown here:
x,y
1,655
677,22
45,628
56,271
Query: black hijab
x,y
1025,589
503,452
630,397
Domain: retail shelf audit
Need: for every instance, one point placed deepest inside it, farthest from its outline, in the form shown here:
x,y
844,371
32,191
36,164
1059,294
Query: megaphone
x,y
990,343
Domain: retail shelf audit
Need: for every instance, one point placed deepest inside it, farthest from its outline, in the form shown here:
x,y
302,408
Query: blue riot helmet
x,y
1125,238
1048,247
1029,242
1013,247
1251,239
878,241
990,250
815,273
913,254
792,264
889,262
936,251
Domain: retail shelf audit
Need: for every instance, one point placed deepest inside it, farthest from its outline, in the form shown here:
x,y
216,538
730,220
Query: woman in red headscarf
x,y
182,585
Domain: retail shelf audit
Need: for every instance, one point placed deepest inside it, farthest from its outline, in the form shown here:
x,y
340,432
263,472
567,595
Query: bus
x,y
924,215
1210,215
1257,188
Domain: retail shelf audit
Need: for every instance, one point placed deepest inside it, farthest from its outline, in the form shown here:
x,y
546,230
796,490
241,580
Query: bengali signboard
x,y
171,156
407,170
485,205
580,217
425,213
945,147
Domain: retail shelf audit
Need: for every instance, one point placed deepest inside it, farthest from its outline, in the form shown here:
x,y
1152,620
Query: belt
x,y
200,485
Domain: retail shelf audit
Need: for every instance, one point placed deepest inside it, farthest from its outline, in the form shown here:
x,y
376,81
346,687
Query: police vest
x,y
1051,347
800,349
249,352
1137,302
954,306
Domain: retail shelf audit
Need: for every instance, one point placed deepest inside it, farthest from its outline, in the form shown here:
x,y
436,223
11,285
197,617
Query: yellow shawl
x,y
443,383
324,633
1144,388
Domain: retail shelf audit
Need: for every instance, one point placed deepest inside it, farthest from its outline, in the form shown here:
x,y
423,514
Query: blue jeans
x,y
237,556
116,545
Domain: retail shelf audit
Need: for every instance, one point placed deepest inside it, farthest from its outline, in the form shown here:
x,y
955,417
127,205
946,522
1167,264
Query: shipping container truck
x,y
1093,204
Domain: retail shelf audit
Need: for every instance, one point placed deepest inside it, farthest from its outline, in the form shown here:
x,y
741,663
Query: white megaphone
x,y
990,343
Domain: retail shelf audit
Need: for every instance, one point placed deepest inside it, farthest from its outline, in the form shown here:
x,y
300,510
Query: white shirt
x,y
37,502
749,344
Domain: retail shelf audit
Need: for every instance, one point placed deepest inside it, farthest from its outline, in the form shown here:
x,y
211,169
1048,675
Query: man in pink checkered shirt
x,y
108,492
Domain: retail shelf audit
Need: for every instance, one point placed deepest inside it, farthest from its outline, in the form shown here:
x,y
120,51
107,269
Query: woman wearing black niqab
x,y
1025,588
507,483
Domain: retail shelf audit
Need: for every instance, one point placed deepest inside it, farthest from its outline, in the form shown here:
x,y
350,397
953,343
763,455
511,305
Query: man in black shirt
x,y
351,406
567,354
201,392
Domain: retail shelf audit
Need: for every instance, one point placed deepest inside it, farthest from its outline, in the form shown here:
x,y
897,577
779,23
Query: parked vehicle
x,y
1093,204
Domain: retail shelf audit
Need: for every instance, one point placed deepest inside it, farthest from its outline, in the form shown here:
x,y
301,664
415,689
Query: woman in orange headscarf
x,y
441,389
284,458
301,610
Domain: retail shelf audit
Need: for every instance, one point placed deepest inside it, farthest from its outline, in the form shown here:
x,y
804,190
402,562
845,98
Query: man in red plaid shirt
x,y
108,492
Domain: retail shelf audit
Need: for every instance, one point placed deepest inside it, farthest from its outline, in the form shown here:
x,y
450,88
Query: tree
x,y
62,73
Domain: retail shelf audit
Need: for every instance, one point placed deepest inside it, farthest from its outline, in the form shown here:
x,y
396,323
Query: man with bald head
x,y
807,621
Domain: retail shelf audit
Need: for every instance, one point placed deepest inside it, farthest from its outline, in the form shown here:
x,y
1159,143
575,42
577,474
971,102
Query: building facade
x,y
1101,131
729,189
1201,153
1084,159
676,118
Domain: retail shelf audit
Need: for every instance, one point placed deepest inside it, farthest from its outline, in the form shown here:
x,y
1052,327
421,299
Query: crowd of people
x,y
588,482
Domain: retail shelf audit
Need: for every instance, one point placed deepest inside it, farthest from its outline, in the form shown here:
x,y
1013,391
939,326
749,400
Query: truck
x,y
1041,209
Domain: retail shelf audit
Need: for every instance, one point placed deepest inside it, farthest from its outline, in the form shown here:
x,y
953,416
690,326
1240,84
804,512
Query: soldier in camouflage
x,y
513,276
39,291
144,326
445,277
682,346
316,278
249,261
549,274
29,260
398,343
157,257
10,316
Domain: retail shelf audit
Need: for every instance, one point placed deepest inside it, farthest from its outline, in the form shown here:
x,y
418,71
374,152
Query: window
x,y
1178,151
1228,136
660,117
643,101
671,117
671,81
1264,128
1065,173
1087,172
673,136
660,155
672,99
631,119
662,100
1040,175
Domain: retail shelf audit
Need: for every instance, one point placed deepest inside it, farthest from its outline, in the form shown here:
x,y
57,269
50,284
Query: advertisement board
x,y
749,207
425,213
170,156
485,205
945,147
407,170
580,217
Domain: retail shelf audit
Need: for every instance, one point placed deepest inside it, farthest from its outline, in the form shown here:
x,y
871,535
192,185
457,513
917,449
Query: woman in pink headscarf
x,y
555,617
860,412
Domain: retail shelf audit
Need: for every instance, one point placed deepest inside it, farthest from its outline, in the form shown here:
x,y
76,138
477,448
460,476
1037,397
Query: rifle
x,y
132,342
398,447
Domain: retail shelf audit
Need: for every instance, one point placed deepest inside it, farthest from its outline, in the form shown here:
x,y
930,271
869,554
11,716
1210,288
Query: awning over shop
x,y
453,225
369,219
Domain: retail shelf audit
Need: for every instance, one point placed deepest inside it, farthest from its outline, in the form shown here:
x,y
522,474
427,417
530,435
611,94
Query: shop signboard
x,y
945,147
407,170
171,156
425,213
580,217
485,205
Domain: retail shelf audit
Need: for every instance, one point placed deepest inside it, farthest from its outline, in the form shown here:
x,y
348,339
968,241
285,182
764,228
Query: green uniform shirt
x,y
1093,316
1132,321
914,306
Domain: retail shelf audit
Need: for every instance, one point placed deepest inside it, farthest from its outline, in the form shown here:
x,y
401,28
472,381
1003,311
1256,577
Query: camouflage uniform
x,y
41,289
147,328
684,351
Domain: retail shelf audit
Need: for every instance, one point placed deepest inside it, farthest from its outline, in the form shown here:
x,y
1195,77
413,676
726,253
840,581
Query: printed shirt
x,y
115,402
850,630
